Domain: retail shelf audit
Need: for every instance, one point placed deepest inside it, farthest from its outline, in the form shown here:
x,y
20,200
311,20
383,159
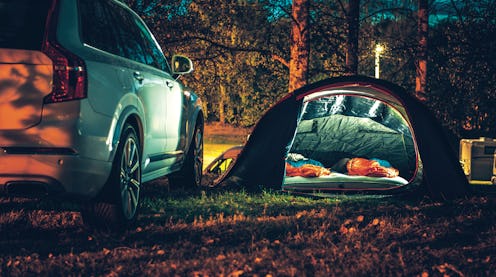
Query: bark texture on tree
x,y
222,102
298,64
352,19
421,65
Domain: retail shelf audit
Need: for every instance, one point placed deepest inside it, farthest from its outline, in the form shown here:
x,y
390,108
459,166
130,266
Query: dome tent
x,y
261,163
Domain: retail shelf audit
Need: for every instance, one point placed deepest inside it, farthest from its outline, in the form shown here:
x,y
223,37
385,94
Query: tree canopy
x,y
241,52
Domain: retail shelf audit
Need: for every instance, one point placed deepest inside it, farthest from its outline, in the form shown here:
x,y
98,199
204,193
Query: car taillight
x,y
69,71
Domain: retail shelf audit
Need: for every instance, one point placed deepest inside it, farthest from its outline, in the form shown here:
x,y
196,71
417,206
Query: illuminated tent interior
x,y
337,130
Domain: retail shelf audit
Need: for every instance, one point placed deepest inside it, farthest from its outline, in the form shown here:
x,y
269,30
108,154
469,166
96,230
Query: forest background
x,y
243,51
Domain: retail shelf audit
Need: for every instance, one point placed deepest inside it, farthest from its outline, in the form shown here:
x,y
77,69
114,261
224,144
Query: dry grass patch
x,y
225,134
195,233
220,137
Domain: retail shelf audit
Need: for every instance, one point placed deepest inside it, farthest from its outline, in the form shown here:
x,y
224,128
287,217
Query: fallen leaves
x,y
220,257
447,269
360,218
236,273
351,226
364,239
13,263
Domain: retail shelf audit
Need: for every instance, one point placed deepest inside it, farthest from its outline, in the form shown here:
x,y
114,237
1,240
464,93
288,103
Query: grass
x,y
206,205
203,233
227,233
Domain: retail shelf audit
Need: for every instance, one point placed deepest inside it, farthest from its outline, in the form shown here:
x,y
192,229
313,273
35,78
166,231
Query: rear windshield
x,y
22,23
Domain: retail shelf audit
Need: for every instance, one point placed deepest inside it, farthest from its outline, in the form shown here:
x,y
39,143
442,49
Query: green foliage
x,y
462,78
241,48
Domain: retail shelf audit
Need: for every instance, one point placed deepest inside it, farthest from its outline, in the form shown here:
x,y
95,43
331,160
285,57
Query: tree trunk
x,y
421,66
298,64
222,103
352,19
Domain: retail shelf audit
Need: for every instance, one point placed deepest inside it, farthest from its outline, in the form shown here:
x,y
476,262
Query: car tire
x,y
118,203
191,173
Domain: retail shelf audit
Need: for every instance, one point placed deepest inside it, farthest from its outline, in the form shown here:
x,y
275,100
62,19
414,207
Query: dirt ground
x,y
367,237
219,138
362,237
219,133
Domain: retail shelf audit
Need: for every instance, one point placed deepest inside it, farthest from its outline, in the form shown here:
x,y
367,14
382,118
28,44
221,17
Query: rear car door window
x,y
153,51
97,29
109,27
128,34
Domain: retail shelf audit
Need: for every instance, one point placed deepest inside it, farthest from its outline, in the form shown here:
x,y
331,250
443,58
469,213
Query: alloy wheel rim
x,y
198,156
130,178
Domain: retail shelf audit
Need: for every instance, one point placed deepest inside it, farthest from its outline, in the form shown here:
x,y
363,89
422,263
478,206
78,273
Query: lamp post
x,y
379,49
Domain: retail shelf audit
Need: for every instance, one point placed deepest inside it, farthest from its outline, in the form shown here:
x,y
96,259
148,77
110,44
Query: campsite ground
x,y
212,233
220,137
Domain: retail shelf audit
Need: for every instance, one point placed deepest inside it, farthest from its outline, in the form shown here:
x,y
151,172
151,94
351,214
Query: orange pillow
x,y
306,170
371,168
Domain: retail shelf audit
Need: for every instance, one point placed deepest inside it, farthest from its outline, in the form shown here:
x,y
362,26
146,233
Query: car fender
x,y
129,108
194,113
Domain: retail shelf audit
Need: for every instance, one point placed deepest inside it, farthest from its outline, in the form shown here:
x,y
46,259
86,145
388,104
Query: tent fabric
x,y
262,160
332,138
357,107
261,163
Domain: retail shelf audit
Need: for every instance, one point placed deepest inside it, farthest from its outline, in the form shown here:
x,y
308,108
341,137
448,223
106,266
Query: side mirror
x,y
181,65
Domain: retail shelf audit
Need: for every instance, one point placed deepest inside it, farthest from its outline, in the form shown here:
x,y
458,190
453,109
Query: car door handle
x,y
137,75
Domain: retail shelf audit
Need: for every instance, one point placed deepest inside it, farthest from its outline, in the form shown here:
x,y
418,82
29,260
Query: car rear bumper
x,y
37,175
66,153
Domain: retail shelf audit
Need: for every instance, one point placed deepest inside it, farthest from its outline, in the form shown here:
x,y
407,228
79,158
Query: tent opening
x,y
350,141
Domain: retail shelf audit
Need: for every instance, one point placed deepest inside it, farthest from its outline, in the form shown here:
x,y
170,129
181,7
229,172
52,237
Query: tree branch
x,y
385,10
281,60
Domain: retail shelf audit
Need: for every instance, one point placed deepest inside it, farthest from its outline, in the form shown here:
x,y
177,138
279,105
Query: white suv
x,y
90,108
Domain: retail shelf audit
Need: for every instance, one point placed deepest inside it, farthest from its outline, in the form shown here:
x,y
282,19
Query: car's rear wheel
x,y
117,206
190,175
